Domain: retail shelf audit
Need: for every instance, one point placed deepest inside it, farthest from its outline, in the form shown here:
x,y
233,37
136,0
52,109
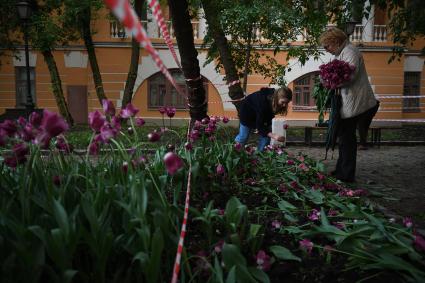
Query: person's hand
x,y
280,139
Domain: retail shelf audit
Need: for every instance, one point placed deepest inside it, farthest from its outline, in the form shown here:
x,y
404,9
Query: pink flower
x,y
154,137
419,243
303,167
52,124
162,110
62,145
56,180
124,167
9,127
172,162
108,107
188,146
220,169
290,162
335,73
94,148
276,224
263,260
96,120
320,176
171,111
237,146
283,188
107,132
314,215
285,126
205,120
128,111
332,212
306,245
139,122
225,120
407,222
35,119
219,246
339,225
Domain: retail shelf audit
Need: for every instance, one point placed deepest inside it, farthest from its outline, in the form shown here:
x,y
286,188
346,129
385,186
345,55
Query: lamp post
x,y
350,25
24,11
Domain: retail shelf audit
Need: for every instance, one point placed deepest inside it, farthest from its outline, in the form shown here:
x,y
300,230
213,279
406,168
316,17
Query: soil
x,y
394,176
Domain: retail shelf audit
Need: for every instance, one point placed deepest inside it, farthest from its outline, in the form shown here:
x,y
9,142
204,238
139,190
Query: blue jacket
x,y
256,111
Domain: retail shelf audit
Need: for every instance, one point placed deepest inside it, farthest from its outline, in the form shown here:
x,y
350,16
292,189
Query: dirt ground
x,y
393,175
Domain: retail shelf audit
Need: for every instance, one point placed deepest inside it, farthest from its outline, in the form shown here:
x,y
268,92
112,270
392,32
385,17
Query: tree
x,y
9,23
45,33
183,31
211,10
134,61
78,15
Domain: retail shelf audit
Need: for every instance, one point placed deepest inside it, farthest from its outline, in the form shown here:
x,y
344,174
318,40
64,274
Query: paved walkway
x,y
394,176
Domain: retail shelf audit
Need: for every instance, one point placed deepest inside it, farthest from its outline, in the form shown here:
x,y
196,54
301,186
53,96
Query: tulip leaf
x,y
283,253
61,217
259,274
231,277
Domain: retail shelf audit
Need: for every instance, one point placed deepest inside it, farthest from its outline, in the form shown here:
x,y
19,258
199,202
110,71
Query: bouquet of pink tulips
x,y
335,73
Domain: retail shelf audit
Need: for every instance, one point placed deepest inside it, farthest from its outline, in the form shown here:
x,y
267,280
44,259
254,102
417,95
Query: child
x,y
257,111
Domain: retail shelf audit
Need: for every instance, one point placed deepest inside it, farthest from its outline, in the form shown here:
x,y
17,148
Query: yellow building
x,y
113,49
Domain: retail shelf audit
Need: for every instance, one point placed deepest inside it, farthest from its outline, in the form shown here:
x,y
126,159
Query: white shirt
x,y
357,95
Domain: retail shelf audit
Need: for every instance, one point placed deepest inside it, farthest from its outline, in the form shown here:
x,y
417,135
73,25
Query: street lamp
x,y
350,25
24,11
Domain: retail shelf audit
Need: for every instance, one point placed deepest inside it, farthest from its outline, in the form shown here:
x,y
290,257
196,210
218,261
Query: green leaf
x,y
232,256
259,274
283,253
61,218
231,277
285,206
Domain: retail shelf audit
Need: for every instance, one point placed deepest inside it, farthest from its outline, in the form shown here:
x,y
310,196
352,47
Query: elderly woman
x,y
359,104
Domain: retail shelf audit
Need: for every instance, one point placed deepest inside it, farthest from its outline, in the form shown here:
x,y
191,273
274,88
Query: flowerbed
x,y
253,217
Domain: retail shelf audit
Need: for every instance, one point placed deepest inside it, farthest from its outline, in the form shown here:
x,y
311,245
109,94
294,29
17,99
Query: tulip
x,y
35,119
220,170
171,111
188,146
9,127
129,111
139,122
172,162
154,137
306,245
96,120
225,120
56,180
263,260
108,107
162,110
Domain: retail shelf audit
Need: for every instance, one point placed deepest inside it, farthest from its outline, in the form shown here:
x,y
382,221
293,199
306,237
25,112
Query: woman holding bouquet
x,y
359,104
257,112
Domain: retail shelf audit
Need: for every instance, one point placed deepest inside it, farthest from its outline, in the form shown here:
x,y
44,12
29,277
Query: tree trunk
x,y
247,56
134,62
211,15
57,87
184,34
88,41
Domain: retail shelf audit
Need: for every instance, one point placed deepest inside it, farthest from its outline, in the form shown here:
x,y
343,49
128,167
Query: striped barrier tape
x,y
180,245
157,13
128,17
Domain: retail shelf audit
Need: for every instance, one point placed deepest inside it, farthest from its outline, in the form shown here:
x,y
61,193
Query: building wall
x,y
114,54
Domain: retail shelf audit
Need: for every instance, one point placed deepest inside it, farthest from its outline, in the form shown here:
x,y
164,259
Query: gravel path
x,y
393,175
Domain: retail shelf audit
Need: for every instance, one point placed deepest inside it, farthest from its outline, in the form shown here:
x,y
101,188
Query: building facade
x,y
395,84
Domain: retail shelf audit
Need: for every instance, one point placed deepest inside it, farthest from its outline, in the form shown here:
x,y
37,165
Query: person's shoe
x,y
362,147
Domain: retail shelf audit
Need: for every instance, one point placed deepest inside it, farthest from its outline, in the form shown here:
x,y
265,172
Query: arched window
x,y
162,93
303,87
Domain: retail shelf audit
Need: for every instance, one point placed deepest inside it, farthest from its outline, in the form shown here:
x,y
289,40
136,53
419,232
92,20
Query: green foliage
x,y
66,217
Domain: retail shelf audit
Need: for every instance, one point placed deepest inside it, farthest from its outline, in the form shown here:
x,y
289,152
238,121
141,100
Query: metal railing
x,y
117,30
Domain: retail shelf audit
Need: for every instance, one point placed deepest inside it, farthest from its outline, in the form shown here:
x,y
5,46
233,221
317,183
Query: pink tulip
x,y
225,120
139,122
407,222
263,260
220,170
219,246
172,162
108,107
314,215
276,224
129,111
9,127
56,180
154,137
35,119
171,111
188,146
306,245
162,110
96,120
419,242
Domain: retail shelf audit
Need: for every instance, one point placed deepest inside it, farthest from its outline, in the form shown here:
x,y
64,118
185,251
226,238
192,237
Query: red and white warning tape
x,y
180,245
401,96
157,13
233,83
128,17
